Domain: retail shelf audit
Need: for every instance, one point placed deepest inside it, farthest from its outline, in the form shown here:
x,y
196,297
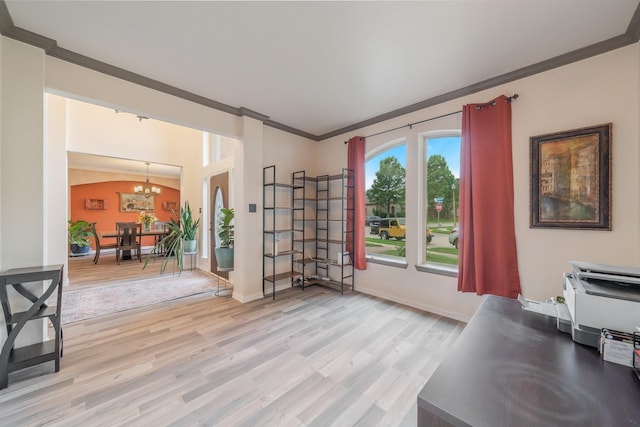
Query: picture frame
x,y
131,202
571,179
169,206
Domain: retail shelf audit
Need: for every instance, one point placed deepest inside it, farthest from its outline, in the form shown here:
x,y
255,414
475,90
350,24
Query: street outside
x,y
440,240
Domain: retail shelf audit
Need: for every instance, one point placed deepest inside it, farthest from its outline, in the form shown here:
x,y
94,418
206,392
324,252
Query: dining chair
x,y
99,244
159,226
129,239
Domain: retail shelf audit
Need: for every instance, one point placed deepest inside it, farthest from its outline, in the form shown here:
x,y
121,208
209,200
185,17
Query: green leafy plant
x,y
79,233
181,227
187,223
225,228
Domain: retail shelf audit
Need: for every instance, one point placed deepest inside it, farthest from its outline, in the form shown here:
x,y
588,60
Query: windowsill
x,y
390,261
437,269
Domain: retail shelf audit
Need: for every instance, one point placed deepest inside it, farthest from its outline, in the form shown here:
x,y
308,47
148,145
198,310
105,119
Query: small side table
x,y
225,282
13,359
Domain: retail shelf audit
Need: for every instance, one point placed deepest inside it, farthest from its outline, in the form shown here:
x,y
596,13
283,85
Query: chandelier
x,y
146,190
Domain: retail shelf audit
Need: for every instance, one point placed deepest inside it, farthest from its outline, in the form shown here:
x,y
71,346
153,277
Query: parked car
x,y
392,227
374,228
453,237
370,220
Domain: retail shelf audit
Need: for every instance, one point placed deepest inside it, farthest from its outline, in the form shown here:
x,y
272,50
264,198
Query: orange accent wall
x,y
110,192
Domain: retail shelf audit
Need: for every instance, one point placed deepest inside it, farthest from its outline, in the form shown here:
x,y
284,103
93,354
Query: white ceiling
x,y
319,67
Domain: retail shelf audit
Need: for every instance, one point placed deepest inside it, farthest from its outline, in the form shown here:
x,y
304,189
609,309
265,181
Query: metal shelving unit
x,y
304,224
315,228
334,238
277,225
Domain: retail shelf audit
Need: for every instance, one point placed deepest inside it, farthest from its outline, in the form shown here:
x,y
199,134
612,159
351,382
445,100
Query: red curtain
x,y
488,262
356,200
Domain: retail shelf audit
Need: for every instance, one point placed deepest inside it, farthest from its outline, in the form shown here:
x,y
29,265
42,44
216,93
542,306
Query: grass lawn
x,y
451,251
393,252
442,259
378,241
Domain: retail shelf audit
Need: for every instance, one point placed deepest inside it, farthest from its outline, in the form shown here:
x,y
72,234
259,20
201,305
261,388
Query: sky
x,y
448,147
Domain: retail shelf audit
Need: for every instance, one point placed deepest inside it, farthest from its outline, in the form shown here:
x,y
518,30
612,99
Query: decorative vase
x,y
224,257
79,250
147,226
189,246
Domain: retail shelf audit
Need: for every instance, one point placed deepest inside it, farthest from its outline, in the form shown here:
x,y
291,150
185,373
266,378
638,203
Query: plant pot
x,y
189,246
224,257
79,250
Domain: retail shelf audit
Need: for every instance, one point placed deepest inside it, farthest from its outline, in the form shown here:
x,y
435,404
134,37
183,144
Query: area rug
x,y
94,302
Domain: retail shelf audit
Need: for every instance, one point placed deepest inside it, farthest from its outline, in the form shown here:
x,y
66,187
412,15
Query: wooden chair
x,y
159,226
100,245
129,239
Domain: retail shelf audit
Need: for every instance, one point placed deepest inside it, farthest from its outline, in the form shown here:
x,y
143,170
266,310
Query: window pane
x,y
385,222
441,202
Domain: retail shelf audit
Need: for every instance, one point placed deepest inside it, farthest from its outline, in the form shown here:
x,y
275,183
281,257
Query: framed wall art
x,y
130,202
170,206
571,179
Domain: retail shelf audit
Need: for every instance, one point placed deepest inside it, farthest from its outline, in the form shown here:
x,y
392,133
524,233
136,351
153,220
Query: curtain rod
x,y
410,125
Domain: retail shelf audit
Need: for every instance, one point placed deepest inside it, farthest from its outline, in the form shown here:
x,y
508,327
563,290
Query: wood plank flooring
x,y
309,358
84,273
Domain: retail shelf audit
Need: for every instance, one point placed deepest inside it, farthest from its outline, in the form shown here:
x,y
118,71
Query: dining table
x,y
112,234
158,234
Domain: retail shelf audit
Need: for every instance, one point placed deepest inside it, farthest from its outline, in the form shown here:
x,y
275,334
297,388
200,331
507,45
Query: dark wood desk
x,y
514,368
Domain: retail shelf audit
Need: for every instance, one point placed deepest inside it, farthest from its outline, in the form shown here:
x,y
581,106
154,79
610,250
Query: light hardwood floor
x,y
83,273
311,358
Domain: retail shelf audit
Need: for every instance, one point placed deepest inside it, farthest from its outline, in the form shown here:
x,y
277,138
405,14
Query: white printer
x,y
597,297
601,296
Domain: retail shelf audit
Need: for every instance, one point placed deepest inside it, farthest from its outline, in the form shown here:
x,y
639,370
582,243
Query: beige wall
x,y
23,170
598,90
82,132
84,176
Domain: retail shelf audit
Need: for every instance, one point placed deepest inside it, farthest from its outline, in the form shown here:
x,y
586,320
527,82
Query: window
x,y
385,206
442,171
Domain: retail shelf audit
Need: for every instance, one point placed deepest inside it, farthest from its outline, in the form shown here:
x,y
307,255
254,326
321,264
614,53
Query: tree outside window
x,y
386,179
388,188
441,199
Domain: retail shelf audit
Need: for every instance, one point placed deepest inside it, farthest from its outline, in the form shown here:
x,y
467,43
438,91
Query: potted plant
x,y
79,233
182,228
224,252
189,228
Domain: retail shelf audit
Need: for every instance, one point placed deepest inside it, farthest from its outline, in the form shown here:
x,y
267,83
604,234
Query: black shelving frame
x,y
304,225
322,227
330,223
271,234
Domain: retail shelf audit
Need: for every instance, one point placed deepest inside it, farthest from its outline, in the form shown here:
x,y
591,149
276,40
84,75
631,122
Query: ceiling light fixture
x,y
146,190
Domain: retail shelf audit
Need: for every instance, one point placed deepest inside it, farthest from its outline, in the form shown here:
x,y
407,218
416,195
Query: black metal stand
x,y
224,281
14,359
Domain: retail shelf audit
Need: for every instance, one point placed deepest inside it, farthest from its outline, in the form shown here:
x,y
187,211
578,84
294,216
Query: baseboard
x,y
412,303
246,298
260,295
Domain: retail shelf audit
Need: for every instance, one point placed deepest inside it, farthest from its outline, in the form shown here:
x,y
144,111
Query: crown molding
x,y
51,48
